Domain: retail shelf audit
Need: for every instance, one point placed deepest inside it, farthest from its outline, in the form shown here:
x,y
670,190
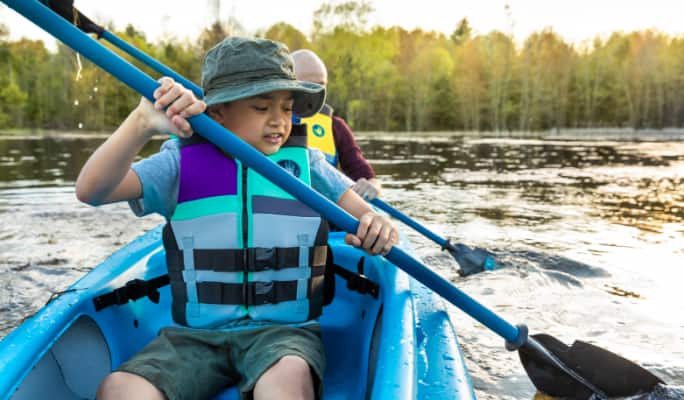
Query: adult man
x,y
331,134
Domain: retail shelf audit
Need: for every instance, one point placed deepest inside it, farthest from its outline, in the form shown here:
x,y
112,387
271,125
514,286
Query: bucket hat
x,y
239,67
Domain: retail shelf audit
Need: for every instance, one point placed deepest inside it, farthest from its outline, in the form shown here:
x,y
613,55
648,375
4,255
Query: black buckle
x,y
259,293
362,284
262,258
133,290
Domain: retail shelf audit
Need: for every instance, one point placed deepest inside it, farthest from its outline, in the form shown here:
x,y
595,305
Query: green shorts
x,y
197,364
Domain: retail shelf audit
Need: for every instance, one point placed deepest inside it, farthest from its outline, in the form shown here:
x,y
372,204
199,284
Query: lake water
x,y
590,235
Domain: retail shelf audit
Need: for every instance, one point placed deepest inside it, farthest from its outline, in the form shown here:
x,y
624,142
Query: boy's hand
x,y
376,234
173,105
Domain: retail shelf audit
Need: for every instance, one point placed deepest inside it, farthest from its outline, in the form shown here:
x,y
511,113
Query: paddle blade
x,y
614,375
472,261
65,8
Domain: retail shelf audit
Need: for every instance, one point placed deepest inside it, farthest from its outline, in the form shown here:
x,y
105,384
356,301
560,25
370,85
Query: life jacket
x,y
320,133
237,246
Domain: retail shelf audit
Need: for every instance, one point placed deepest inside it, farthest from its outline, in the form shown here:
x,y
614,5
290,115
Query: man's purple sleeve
x,y
349,154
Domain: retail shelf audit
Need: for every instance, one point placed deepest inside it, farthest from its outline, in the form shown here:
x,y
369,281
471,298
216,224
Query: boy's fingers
x,y
364,223
383,242
393,239
372,236
165,84
184,100
182,124
352,240
168,97
193,109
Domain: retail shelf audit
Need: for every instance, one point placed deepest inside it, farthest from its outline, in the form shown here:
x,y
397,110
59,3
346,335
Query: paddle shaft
x,y
413,224
224,139
151,62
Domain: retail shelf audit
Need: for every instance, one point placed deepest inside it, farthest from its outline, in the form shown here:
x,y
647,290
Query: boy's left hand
x,y
376,234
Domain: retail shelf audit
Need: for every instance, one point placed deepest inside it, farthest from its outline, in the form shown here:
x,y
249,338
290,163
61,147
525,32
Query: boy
x,y
223,220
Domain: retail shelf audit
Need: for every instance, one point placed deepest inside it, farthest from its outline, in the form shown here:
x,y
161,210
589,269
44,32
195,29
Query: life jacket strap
x,y
358,282
255,292
251,260
251,293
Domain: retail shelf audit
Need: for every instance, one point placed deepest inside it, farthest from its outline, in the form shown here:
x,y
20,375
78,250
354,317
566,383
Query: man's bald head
x,y
309,67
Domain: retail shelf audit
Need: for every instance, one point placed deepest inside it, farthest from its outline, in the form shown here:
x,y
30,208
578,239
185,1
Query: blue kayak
x,y
398,345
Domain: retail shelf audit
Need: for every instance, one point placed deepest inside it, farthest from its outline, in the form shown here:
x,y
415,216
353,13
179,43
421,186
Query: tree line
x,y
387,78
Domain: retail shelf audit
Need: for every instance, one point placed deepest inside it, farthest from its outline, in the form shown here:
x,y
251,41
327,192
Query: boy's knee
x,y
295,367
124,385
110,384
290,376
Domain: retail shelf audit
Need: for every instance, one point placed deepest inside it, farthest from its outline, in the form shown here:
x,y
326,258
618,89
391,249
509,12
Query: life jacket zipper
x,y
245,237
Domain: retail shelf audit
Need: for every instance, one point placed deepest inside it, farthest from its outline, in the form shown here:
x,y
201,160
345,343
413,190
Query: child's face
x,y
264,121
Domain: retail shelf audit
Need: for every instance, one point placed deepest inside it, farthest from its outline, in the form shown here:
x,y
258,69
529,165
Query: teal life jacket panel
x,y
238,246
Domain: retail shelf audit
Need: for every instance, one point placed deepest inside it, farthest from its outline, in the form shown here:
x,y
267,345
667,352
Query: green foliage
x,y
288,34
349,16
12,100
387,78
462,32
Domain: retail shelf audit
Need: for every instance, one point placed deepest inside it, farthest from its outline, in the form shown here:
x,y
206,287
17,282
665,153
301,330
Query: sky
x,y
575,20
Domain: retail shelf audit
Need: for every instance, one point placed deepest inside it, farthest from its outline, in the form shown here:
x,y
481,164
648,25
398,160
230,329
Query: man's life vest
x,y
238,246
320,133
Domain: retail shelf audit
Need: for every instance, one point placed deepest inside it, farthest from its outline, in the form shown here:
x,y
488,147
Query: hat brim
x,y
308,97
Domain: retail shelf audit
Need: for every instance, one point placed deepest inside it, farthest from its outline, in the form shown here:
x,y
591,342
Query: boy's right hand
x,y
173,105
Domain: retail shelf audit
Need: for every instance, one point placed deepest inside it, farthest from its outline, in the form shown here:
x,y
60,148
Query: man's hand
x,y
367,188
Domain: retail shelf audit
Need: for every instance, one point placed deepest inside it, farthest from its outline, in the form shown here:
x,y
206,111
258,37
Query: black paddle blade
x,y
66,9
472,261
612,374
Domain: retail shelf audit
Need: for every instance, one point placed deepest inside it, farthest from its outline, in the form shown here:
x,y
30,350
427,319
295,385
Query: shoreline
x,y
569,134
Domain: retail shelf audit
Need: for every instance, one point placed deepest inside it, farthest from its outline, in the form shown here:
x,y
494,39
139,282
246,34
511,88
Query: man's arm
x,y
352,162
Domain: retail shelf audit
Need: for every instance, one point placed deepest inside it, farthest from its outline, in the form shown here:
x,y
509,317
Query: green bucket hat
x,y
238,68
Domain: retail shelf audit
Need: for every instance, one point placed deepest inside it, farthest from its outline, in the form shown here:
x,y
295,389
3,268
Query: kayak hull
x,y
401,345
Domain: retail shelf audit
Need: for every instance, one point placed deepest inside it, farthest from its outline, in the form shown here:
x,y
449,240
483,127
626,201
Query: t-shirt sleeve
x,y
159,180
326,179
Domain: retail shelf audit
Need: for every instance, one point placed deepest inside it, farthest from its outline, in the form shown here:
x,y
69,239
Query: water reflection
x,y
47,161
616,179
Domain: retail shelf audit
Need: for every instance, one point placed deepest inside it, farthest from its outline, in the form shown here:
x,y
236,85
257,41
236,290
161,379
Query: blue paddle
x,y
547,361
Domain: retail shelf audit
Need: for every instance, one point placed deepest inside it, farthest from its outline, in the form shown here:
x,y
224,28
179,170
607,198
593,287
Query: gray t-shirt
x,y
159,178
